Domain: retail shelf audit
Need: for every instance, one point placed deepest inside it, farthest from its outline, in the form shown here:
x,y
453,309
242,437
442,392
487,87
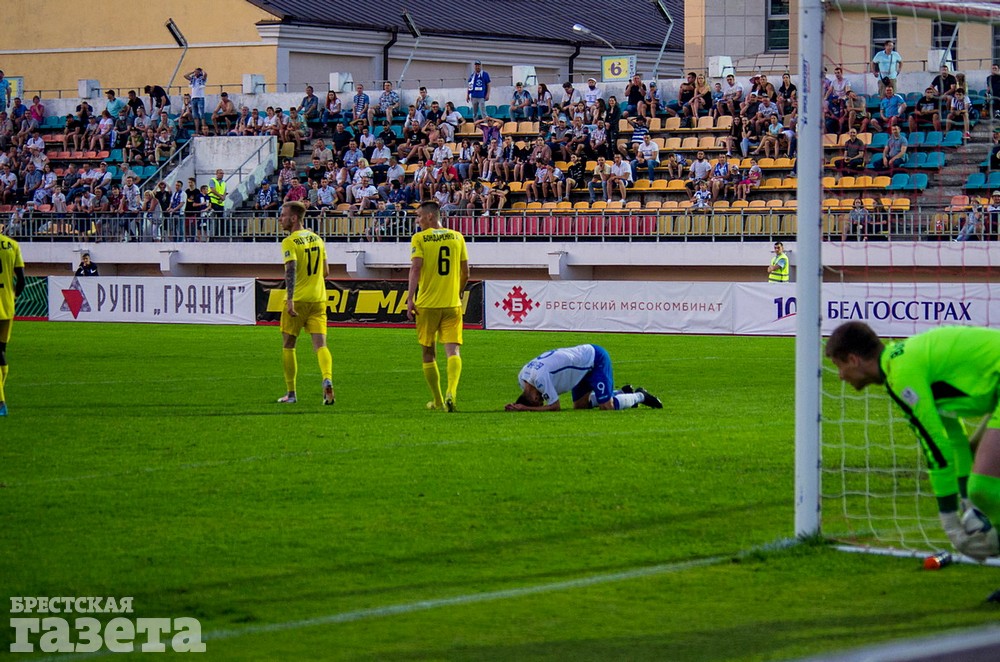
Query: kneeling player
x,y
585,371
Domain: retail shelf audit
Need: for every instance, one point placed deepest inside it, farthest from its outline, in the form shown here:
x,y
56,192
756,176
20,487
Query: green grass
x,y
151,461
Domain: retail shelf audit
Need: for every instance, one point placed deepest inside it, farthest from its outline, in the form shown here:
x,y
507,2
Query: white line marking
x,y
424,605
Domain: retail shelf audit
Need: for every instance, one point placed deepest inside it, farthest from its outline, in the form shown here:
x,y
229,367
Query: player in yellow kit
x,y
11,284
306,269
439,270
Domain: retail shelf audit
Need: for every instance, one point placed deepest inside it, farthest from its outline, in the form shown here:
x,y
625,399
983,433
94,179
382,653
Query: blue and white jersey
x,y
557,371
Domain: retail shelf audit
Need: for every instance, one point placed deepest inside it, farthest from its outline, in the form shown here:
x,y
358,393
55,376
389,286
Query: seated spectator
x,y
835,114
225,113
702,198
767,109
701,101
854,152
296,192
959,112
927,109
635,92
379,161
892,108
720,177
332,109
621,177
571,97
267,198
647,155
452,119
994,157
340,140
639,129
699,172
732,97
542,105
521,104
295,129
363,195
388,103
857,113
788,93
309,106
186,115
993,92
750,180
165,145
858,220
651,102
769,143
388,136
599,181
894,153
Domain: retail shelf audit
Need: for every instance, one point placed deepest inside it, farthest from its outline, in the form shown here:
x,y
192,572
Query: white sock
x,y
628,400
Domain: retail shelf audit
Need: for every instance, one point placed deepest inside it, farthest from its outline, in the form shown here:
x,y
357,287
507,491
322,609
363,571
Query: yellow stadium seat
x,y
642,185
672,124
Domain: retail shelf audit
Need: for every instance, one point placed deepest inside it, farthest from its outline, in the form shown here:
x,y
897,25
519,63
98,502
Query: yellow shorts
x,y
446,323
5,326
308,315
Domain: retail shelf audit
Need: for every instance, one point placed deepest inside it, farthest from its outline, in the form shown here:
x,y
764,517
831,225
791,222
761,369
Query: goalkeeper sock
x,y
291,367
454,374
984,492
627,400
3,378
325,362
433,377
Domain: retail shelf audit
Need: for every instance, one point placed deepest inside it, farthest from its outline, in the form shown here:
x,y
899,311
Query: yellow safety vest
x,y
216,191
779,275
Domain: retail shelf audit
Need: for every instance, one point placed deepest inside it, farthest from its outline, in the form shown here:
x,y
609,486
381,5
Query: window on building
x,y
945,38
996,42
883,29
777,25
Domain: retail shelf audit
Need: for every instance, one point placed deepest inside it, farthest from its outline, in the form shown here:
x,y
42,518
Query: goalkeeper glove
x,y
972,534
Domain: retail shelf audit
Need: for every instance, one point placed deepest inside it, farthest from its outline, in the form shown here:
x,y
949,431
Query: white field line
x,y
424,605
308,453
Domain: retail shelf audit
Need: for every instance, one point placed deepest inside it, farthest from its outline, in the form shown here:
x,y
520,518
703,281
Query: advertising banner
x,y
630,306
159,300
33,302
892,309
378,302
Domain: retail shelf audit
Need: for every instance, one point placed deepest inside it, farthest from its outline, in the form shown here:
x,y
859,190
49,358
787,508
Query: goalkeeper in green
x,y
937,378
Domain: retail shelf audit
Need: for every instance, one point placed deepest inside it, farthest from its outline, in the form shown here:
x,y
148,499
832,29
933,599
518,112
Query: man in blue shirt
x,y
360,105
4,93
585,371
886,65
479,90
892,108
309,107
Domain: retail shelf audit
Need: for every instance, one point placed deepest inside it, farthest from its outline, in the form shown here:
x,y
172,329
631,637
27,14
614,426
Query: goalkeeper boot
x,y
449,403
3,408
287,399
627,388
433,405
328,397
649,399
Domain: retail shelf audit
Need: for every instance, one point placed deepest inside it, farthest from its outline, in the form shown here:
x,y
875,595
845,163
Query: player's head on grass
x,y
530,397
291,217
855,348
429,215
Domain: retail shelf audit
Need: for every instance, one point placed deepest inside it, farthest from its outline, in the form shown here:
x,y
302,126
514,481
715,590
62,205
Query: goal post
x,y
859,472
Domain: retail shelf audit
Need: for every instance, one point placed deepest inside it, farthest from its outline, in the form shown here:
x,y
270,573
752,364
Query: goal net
x,y
894,243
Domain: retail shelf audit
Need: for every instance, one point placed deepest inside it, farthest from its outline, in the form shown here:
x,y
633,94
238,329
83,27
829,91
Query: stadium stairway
x,y
964,161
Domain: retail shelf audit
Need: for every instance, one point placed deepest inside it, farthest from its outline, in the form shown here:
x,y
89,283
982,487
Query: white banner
x,y
892,309
159,300
653,307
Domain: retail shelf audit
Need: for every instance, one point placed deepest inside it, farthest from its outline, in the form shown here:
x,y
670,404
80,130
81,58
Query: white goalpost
x,y
859,469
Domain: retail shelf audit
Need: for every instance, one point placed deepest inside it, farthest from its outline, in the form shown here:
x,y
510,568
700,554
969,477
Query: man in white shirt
x,y
592,93
732,97
621,177
647,156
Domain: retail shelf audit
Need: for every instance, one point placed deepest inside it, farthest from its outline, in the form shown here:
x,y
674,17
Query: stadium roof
x,y
624,23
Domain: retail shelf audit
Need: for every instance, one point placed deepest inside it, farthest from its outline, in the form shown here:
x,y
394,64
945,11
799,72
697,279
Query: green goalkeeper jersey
x,y
937,377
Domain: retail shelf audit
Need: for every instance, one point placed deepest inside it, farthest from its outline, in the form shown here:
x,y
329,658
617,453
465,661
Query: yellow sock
x,y
325,362
433,377
291,367
454,374
3,378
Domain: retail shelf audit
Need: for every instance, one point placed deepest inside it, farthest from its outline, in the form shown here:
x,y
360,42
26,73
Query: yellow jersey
x,y
10,258
309,253
443,252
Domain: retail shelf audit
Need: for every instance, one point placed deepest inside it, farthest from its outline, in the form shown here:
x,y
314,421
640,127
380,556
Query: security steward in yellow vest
x,y
217,191
778,271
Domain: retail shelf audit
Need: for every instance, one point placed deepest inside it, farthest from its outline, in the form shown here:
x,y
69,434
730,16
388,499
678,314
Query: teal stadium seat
x,y
952,139
933,139
899,182
975,181
918,182
935,161
916,160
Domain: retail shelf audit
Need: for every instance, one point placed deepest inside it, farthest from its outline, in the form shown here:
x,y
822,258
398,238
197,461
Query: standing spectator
x,y
478,90
158,99
217,191
886,66
945,85
175,212
135,104
777,272
114,105
87,267
309,106
635,92
197,80
4,93
225,111
992,220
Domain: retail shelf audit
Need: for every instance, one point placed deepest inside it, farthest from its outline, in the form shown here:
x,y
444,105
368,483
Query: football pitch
x,y
153,462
